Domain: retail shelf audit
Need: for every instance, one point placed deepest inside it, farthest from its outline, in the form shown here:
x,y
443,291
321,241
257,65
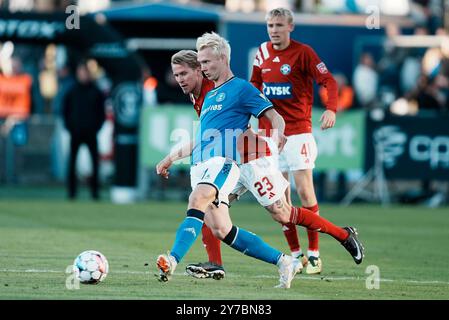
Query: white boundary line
x,y
232,275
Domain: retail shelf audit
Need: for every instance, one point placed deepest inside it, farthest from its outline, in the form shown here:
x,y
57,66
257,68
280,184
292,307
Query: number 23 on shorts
x,y
264,183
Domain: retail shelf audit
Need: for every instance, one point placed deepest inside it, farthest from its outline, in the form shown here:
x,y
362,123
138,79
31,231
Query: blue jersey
x,y
224,116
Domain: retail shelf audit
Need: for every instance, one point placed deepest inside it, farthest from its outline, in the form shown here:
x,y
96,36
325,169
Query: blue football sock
x,y
187,233
252,245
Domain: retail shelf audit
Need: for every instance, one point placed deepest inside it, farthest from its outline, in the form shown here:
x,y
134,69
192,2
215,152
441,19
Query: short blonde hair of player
x,y
280,12
187,57
219,45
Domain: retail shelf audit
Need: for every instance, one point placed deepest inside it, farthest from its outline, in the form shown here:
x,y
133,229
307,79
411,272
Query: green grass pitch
x,y
40,238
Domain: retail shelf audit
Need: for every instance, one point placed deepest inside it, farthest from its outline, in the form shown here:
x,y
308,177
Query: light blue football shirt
x,y
225,114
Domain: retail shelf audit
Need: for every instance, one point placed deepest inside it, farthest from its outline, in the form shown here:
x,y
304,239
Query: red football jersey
x,y
286,78
206,86
249,144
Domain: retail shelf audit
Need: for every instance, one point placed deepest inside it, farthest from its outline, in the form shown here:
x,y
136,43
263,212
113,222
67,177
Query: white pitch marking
x,y
320,278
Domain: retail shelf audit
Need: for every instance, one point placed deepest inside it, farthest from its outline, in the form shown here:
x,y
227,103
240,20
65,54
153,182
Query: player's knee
x,y
219,233
277,214
273,209
195,201
201,199
306,195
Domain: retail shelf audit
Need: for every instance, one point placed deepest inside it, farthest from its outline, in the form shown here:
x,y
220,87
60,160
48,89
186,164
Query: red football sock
x,y
314,237
306,218
292,236
212,245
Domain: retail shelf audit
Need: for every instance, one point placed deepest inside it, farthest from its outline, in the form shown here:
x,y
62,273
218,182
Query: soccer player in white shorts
x,y
261,176
285,71
219,172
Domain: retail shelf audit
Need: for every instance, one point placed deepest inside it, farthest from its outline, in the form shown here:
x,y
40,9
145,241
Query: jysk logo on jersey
x,y
286,69
277,90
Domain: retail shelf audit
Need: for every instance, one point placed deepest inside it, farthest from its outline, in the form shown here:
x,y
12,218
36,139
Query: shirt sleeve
x,y
318,70
255,101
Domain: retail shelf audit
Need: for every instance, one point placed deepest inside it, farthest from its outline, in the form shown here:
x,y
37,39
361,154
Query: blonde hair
x,y
187,57
219,45
280,12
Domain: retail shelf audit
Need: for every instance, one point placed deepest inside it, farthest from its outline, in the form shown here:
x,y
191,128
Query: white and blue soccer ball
x,y
90,267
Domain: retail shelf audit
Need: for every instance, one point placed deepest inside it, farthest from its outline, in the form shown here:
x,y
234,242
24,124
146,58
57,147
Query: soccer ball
x,y
90,267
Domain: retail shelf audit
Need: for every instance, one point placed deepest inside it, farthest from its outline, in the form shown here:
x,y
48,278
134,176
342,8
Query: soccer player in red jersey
x,y
284,70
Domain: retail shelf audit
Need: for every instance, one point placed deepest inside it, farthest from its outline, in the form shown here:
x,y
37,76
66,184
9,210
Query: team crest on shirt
x,y
321,68
220,97
286,69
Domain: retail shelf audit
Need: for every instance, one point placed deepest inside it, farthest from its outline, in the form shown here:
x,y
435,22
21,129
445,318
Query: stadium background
x,y
387,158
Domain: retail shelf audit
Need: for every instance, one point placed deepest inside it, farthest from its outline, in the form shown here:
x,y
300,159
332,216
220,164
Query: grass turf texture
x,y
40,238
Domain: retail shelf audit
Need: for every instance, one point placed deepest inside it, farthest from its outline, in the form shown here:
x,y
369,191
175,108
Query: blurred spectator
x,y
238,5
444,69
258,5
335,6
388,66
345,93
84,114
150,84
427,13
149,91
427,94
419,12
15,89
410,70
65,81
404,106
99,76
48,77
366,81
217,2
410,73
267,5
431,92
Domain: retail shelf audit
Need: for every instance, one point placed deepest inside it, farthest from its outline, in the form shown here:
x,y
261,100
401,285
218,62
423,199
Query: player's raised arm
x,y
179,153
278,127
